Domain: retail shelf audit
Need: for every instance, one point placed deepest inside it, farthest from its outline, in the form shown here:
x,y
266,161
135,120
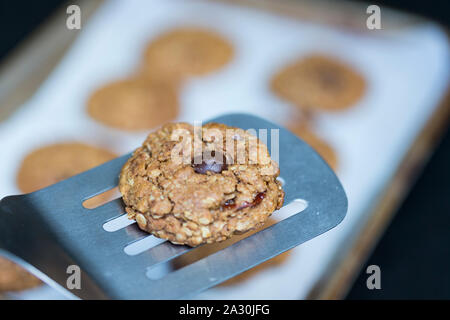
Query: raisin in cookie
x,y
134,104
319,83
194,185
186,52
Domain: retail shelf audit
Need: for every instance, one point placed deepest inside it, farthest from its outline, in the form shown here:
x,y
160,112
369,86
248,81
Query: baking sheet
x,y
407,73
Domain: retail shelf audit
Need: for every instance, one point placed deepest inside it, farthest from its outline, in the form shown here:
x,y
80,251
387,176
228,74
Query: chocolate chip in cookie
x,y
210,162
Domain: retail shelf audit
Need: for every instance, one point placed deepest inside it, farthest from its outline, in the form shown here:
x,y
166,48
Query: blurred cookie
x,y
53,163
321,146
134,104
209,249
14,278
319,83
186,52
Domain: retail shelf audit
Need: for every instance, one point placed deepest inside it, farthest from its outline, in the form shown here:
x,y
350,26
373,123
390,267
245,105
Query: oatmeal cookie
x,y
319,83
15,278
205,194
186,52
53,163
322,147
206,250
134,104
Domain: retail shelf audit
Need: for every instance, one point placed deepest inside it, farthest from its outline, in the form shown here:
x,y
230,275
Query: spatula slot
x,y
101,198
158,271
142,245
118,223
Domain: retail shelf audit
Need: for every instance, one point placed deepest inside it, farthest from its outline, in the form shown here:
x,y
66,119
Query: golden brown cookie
x,y
53,163
134,104
213,192
14,278
322,147
209,249
319,83
186,52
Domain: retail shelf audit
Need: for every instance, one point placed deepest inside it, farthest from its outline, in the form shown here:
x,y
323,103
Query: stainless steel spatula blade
x,y
49,230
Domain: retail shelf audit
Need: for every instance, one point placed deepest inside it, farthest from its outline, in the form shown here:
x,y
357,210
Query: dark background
x,y
414,253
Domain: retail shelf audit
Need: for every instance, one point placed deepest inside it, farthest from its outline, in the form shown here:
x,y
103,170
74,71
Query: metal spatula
x,y
49,230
